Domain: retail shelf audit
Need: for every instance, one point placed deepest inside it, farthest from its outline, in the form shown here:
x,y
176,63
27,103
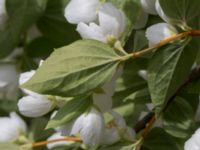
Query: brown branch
x,y
42,143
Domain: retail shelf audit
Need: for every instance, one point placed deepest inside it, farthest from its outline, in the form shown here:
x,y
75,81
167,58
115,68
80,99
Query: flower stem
x,y
166,41
42,143
149,126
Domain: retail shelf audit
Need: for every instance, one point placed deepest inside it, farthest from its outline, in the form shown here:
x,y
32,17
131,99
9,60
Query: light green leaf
x,y
181,11
76,69
119,146
70,110
178,118
9,146
169,68
158,139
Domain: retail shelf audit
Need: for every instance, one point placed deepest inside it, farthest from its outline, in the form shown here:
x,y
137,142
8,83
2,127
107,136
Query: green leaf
x,y
194,87
55,27
178,118
181,11
70,110
22,14
132,10
169,68
9,146
75,69
158,139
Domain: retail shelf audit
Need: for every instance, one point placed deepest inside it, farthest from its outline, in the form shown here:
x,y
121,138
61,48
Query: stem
x,y
42,143
166,41
149,126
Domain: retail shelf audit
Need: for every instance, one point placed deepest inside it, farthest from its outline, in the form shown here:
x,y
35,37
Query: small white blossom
x,y
158,32
35,106
11,127
3,13
90,127
193,143
8,81
143,74
56,135
149,6
82,11
111,25
161,12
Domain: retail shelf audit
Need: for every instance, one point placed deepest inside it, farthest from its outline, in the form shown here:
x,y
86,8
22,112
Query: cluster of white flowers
x,y
96,20
194,142
156,32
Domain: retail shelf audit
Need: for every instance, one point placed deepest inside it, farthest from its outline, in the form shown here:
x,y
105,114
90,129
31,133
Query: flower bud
x,y
193,143
11,127
149,6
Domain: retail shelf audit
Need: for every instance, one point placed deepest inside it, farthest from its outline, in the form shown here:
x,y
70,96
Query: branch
x,y
42,143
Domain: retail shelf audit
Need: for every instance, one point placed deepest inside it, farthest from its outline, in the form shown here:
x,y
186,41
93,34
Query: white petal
x,y
161,12
82,11
90,126
91,31
11,127
24,77
34,106
142,20
8,81
119,120
159,32
149,6
110,136
111,20
56,144
193,143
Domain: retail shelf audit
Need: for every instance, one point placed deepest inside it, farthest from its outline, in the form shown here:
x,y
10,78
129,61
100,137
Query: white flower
x,y
193,143
8,81
111,25
104,100
111,136
24,77
158,32
3,13
11,127
149,6
82,11
35,106
56,135
90,126
161,12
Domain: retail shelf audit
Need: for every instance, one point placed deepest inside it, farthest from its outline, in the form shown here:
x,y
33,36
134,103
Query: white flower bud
x,y
143,74
11,127
158,32
35,106
82,11
111,136
149,6
56,135
193,143
111,25
8,81
90,126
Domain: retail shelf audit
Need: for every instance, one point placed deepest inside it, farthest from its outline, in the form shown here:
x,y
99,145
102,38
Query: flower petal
x,y
159,32
111,20
82,11
161,12
91,31
34,106
149,6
